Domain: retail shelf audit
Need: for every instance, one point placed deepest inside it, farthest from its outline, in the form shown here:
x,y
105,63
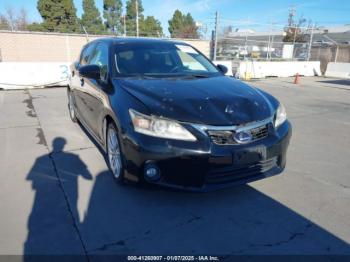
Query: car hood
x,y
211,101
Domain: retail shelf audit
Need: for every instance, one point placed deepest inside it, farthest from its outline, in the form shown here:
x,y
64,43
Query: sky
x,y
254,14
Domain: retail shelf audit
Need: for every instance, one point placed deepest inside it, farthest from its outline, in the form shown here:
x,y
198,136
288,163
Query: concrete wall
x,y
19,75
54,47
253,69
339,70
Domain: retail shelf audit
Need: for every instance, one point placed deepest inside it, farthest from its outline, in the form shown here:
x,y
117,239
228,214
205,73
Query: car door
x,y
92,87
77,82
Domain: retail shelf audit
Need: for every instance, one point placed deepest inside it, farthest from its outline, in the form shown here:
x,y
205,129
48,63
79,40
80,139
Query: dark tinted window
x,y
99,57
85,54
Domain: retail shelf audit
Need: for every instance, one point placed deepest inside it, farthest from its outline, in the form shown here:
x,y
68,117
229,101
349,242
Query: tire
x,y
71,108
114,154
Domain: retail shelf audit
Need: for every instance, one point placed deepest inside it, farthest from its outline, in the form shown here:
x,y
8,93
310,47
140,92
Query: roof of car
x,y
140,40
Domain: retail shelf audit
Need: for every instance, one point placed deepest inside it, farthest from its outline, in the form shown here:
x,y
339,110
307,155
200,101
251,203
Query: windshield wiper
x,y
168,76
140,76
196,76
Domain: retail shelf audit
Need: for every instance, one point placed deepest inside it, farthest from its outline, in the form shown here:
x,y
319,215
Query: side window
x,y
99,57
85,54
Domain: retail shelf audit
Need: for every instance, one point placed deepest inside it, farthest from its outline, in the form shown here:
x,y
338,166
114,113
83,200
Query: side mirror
x,y
90,71
222,68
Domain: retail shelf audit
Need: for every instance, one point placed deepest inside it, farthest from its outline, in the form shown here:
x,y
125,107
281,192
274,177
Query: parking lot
x,y
57,196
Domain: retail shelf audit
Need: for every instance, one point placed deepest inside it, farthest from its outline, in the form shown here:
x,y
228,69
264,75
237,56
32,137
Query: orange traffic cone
x,y
297,79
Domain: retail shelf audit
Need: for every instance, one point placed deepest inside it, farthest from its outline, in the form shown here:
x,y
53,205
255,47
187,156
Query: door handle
x,y
82,81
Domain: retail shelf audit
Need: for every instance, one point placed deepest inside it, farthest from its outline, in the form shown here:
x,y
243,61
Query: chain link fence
x,y
261,42
266,42
260,50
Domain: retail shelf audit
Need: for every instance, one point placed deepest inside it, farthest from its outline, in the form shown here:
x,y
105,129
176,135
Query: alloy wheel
x,y
114,156
71,106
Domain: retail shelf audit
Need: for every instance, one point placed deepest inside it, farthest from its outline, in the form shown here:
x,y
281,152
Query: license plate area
x,y
249,155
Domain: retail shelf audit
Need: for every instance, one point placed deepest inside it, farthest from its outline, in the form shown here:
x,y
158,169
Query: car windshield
x,y
161,60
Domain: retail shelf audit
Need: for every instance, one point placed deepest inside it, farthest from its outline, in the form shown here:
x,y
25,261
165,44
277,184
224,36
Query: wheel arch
x,y
107,119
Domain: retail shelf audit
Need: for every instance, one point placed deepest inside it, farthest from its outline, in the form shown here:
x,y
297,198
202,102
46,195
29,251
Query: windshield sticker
x,y
186,49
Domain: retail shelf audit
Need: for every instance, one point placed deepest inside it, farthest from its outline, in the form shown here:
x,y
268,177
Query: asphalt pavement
x,y
58,197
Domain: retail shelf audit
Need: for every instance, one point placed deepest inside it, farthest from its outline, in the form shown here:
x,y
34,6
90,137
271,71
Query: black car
x,y
164,114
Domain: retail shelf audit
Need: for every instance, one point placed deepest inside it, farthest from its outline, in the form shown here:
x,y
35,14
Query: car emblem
x,y
243,137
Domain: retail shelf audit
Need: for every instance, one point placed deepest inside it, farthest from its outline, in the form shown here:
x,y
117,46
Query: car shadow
x,y
239,220
152,220
337,82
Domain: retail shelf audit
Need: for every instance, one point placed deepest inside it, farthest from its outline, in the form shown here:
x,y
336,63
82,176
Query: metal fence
x,y
242,49
244,40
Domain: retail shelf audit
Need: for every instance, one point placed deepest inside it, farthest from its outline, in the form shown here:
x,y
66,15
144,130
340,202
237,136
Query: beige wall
x,y
53,47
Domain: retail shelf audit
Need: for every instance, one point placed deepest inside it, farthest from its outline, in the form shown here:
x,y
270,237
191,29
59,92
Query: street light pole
x,y
310,43
124,25
137,17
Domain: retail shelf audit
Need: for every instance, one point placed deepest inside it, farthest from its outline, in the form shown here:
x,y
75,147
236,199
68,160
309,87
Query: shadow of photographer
x,y
152,220
50,225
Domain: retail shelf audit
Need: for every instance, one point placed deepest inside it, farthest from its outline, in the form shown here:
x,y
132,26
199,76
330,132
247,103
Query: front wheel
x,y
114,154
71,107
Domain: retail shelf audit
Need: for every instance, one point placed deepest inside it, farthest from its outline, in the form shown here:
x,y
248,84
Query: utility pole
x,y
137,17
268,44
310,43
292,25
271,45
216,34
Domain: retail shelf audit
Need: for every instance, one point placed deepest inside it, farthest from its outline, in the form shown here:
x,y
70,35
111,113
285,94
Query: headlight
x,y
281,115
159,127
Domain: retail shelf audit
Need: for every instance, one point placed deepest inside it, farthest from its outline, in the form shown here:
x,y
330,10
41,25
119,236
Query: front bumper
x,y
203,165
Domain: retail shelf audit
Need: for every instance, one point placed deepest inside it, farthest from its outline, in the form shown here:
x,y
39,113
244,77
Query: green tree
x,y
190,29
4,24
38,27
91,18
112,12
183,26
131,16
176,23
151,27
58,15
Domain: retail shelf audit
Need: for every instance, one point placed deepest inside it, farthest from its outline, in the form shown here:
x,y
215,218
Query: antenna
x,y
86,34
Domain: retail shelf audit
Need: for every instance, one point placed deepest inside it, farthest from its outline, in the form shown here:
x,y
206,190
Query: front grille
x,y
236,173
222,137
226,137
259,132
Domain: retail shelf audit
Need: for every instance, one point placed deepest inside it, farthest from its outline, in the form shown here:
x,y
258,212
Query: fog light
x,y
152,172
